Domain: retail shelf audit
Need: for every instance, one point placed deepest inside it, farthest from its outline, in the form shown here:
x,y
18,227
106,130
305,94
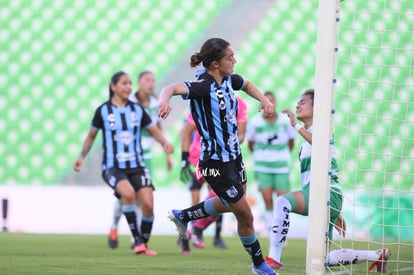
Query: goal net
x,y
373,129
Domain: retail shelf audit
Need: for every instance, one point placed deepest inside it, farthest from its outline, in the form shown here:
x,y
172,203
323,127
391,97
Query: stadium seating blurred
x,y
59,56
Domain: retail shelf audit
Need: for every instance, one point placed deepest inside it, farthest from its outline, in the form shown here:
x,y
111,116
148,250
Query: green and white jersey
x,y
146,139
305,164
271,152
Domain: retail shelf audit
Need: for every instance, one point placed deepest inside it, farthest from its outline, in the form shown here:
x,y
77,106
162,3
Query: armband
x,y
298,127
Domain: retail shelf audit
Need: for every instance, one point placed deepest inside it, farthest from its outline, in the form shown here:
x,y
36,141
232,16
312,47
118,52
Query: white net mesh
x,y
374,129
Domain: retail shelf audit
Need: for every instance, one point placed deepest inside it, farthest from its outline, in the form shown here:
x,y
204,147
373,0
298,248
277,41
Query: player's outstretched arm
x,y
165,95
254,92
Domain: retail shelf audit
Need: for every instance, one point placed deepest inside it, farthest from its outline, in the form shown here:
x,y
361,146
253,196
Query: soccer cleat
x,y
381,263
263,269
184,246
218,242
149,252
140,248
174,216
197,238
273,263
113,238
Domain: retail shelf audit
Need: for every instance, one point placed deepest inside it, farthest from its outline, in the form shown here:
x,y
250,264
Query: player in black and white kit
x,y
214,109
123,167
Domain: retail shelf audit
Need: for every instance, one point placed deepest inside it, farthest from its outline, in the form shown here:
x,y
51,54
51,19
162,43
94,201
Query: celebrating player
x,y
214,108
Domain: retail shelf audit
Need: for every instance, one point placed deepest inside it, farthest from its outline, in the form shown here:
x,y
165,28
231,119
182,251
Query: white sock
x,y
268,216
117,214
348,256
280,228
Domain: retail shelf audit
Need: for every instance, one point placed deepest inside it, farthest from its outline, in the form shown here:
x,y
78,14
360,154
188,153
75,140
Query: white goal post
x,y
364,63
321,137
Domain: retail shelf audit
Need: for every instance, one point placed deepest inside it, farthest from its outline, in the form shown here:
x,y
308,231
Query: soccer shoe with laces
x,y
263,269
174,216
273,263
382,261
113,238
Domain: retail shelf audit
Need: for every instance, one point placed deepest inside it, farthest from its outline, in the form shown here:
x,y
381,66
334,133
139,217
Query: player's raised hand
x,y
291,116
164,109
267,107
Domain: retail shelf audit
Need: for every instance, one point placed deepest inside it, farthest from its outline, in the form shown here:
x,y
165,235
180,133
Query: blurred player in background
x,y
123,167
214,108
271,140
146,98
298,201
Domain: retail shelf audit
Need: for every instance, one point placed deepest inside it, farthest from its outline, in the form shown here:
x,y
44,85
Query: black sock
x,y
255,252
146,228
131,218
194,212
219,224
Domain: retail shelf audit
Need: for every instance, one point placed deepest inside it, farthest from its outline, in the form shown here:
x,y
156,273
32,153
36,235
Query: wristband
x,y
184,156
298,127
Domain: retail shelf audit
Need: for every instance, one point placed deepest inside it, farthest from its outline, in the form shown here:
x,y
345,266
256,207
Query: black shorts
x,y
138,177
225,178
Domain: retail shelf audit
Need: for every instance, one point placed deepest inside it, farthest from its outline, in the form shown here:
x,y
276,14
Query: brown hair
x,y
212,50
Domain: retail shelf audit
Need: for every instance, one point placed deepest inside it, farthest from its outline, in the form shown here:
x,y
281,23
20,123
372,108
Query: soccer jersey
x,y
146,139
214,109
305,164
121,128
195,148
271,152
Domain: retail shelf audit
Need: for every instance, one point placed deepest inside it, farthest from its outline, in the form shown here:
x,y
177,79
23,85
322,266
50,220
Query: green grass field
x,y
89,254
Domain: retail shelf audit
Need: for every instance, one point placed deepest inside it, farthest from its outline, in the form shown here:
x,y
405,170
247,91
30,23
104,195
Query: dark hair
x,y
309,92
270,93
114,79
212,50
141,74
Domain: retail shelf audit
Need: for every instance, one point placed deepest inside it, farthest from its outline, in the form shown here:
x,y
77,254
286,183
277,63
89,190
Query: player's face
x,y
123,87
147,83
226,63
304,108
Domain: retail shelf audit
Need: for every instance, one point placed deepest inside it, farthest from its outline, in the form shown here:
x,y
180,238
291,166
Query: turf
x,y
89,254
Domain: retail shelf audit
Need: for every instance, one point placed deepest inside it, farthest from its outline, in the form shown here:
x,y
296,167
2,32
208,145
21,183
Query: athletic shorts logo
x,y
210,172
232,192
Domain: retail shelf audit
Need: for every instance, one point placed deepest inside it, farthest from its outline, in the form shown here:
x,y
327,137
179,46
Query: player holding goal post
x,y
298,201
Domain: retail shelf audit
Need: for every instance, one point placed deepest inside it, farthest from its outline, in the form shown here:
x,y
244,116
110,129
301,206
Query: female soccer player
x,y
298,201
191,154
213,106
123,167
146,98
